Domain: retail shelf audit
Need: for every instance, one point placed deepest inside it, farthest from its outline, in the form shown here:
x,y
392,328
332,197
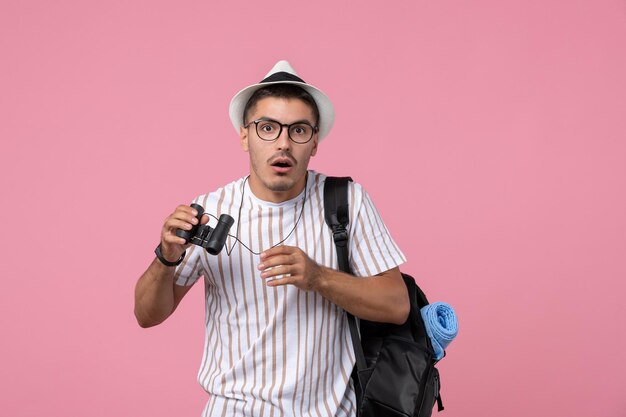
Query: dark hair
x,y
281,91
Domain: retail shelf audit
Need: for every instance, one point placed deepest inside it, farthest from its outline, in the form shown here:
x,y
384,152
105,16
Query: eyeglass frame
x,y
256,122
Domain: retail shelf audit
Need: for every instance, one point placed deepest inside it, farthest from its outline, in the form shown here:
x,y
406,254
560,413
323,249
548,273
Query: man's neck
x,y
264,193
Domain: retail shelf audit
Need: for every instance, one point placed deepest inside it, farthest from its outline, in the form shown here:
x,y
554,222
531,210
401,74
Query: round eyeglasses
x,y
268,129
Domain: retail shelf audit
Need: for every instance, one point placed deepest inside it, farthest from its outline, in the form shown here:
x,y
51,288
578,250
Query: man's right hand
x,y
184,217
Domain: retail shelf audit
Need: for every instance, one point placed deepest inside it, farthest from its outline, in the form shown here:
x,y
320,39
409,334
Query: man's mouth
x,y
282,164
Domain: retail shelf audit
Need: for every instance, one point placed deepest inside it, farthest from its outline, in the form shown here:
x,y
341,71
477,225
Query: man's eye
x,y
267,128
299,130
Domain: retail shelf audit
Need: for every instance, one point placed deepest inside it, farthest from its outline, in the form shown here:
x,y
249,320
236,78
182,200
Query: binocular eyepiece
x,y
211,239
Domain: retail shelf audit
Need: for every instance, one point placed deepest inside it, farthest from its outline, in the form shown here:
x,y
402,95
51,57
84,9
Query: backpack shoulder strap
x,y
337,215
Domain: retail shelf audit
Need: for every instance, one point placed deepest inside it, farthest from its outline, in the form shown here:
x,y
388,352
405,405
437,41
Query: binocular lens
x,y
219,234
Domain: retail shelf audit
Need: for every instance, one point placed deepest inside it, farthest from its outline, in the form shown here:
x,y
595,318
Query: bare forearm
x,y
154,295
381,298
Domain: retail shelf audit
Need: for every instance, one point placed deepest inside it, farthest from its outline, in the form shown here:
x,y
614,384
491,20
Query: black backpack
x,y
395,372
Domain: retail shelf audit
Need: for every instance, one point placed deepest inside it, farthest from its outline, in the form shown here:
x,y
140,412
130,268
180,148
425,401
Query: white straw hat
x,y
283,73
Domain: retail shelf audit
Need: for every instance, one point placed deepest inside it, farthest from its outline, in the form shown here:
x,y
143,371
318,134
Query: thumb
x,y
204,219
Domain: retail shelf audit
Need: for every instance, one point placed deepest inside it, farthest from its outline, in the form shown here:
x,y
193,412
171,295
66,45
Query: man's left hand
x,y
292,266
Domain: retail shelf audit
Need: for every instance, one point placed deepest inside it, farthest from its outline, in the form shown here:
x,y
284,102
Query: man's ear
x,y
243,135
314,150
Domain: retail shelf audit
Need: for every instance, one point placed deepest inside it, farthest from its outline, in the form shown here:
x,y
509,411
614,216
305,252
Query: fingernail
x,y
194,212
261,266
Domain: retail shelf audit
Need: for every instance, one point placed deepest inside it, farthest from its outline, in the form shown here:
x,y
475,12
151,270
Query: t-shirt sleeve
x,y
190,269
372,250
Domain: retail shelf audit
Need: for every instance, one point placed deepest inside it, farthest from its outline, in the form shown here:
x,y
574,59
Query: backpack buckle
x,y
340,236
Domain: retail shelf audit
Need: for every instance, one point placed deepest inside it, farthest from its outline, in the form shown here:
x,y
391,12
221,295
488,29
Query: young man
x,y
277,339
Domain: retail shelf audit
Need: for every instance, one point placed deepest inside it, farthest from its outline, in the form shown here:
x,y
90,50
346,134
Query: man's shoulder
x,y
320,177
221,194
354,188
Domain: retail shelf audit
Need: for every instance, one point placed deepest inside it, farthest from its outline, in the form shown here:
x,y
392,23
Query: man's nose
x,y
283,142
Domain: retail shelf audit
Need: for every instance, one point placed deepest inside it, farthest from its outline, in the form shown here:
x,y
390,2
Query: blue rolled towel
x,y
441,325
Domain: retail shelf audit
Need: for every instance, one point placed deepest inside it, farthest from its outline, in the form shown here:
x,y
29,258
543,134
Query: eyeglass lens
x,y
271,130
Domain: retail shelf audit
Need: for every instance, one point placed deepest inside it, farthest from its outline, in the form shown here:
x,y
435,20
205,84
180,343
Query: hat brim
x,y
324,105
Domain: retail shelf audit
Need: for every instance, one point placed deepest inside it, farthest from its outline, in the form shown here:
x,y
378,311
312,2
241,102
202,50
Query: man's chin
x,y
281,185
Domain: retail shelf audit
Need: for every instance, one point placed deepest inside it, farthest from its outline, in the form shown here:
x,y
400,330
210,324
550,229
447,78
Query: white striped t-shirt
x,y
280,351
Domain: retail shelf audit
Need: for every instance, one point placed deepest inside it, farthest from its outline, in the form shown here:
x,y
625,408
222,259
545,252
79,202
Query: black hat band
x,y
282,76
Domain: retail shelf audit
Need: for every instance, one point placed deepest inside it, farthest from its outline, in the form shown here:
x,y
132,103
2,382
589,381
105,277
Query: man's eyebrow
x,y
303,121
269,119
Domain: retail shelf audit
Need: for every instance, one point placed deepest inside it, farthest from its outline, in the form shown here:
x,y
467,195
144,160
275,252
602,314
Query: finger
x,y
170,238
277,250
275,261
187,209
184,216
276,271
280,281
173,224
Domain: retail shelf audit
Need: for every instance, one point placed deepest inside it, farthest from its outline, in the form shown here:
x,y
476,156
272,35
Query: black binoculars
x,y
211,239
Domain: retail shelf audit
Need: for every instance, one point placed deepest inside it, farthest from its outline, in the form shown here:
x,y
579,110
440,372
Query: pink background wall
x,y
491,135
